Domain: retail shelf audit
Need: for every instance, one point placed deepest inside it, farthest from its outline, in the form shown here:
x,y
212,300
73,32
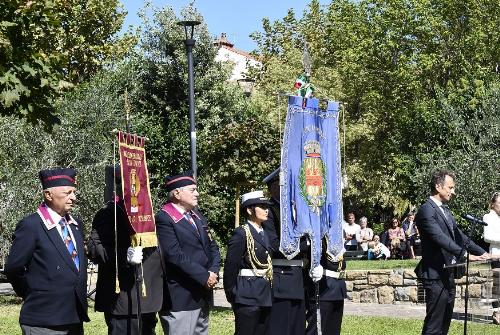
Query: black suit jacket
x,y
188,257
101,249
440,243
288,282
251,291
42,272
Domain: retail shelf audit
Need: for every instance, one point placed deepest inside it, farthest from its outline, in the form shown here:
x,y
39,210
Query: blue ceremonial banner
x,y
310,180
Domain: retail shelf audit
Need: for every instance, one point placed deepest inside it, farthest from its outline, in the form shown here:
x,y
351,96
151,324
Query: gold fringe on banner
x,y
145,240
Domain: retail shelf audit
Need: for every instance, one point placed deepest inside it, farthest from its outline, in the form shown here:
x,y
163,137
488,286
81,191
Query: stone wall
x,y
399,285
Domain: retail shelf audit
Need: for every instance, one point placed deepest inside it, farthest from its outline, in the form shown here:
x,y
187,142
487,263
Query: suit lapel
x,y
187,225
258,238
79,247
56,239
201,230
444,220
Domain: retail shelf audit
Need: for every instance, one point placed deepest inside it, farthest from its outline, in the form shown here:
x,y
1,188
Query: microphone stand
x,y
456,266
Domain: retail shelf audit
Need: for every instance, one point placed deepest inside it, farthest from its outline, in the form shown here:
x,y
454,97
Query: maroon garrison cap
x,y
57,177
181,180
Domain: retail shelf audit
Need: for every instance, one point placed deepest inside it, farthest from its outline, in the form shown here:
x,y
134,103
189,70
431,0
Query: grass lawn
x,y
222,323
381,264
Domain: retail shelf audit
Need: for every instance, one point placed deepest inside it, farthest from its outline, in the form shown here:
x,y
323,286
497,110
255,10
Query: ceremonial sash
x,y
310,179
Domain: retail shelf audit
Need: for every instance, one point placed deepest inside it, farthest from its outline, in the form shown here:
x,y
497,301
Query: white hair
x,y
170,195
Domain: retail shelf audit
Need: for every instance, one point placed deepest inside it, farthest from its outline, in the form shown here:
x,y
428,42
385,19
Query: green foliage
x,y
83,140
234,139
48,46
415,78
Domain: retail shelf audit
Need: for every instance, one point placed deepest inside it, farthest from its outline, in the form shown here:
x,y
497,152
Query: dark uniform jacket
x,y
288,282
251,290
441,242
188,257
330,289
42,272
101,249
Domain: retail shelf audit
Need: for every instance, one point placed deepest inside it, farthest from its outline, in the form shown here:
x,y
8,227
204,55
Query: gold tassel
x,y
143,288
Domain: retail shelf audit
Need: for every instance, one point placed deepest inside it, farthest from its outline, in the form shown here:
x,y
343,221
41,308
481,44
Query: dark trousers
x,y
331,317
127,325
251,320
288,316
74,329
439,302
351,247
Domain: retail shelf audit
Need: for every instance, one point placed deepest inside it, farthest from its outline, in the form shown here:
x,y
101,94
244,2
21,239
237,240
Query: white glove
x,y
317,273
134,255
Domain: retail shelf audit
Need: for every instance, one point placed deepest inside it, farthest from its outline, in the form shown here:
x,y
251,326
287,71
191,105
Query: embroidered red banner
x,y
136,192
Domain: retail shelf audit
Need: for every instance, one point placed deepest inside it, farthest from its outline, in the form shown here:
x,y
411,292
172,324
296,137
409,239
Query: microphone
x,y
469,217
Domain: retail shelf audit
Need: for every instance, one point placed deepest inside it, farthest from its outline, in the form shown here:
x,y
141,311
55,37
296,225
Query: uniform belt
x,y
332,274
252,273
288,262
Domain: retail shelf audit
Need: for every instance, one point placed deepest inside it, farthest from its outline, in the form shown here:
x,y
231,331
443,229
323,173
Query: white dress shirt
x,y
352,230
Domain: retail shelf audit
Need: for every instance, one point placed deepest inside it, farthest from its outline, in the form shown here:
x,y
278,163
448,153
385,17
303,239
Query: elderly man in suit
x,y
46,265
443,243
191,256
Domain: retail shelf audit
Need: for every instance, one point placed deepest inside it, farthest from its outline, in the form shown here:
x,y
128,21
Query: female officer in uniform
x,y
248,269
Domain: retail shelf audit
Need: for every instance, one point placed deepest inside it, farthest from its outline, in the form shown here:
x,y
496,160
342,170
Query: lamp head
x,y
187,25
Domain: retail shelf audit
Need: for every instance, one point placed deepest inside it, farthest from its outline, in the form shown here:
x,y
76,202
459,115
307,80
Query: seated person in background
x,y
350,230
411,232
384,235
397,239
377,250
364,234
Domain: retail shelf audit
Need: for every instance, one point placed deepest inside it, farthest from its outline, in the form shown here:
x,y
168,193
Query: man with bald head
x,y
46,265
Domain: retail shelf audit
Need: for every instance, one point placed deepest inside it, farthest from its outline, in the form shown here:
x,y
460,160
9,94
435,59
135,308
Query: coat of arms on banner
x,y
312,177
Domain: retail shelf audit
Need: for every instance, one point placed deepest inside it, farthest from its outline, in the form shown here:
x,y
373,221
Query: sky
x,y
237,18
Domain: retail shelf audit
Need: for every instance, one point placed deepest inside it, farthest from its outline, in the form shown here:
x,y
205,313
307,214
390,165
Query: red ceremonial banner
x,y
136,192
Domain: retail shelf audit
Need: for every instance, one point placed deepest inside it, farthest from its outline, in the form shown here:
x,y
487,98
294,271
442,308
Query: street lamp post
x,y
246,84
189,43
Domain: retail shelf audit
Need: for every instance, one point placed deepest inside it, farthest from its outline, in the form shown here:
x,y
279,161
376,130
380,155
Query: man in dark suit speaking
x,y
47,266
442,243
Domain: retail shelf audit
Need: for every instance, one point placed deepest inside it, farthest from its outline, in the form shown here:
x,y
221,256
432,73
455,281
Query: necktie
x,y
447,215
264,238
66,236
190,219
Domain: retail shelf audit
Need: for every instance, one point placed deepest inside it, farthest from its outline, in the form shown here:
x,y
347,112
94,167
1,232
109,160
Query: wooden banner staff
x,y
117,284
138,269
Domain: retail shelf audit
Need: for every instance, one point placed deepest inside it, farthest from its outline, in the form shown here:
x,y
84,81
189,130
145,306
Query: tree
x,y
235,141
233,136
83,140
393,63
48,46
